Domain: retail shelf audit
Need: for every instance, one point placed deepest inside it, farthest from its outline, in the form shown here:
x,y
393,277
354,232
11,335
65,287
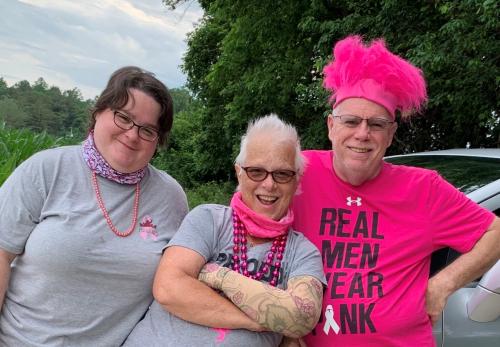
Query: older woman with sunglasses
x,y
84,226
246,253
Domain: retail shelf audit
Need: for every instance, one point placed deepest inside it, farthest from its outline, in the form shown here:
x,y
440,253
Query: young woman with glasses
x,y
83,227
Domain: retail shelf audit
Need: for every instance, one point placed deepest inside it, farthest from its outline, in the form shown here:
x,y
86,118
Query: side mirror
x,y
484,304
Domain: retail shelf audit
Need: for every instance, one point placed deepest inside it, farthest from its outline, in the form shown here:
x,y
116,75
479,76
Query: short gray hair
x,y
280,130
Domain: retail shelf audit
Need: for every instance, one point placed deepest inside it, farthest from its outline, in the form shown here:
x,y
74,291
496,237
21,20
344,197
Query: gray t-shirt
x,y
208,230
74,282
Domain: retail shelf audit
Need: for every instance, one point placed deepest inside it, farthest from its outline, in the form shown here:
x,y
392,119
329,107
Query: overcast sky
x,y
79,43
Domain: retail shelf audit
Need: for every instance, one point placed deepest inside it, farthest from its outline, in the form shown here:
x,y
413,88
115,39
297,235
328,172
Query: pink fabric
x,y
374,73
371,90
376,240
258,225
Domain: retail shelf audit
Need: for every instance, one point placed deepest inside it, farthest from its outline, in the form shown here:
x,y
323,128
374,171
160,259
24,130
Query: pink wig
x,y
373,73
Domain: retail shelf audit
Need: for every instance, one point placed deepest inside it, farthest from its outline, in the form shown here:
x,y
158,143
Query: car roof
x,y
472,152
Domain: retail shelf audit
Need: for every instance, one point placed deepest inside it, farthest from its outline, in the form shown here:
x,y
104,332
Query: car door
x,y
456,328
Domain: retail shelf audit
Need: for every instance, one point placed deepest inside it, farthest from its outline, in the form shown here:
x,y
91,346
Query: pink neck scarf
x,y
100,166
258,225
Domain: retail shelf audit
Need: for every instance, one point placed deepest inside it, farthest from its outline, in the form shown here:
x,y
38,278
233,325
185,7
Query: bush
x,y
210,193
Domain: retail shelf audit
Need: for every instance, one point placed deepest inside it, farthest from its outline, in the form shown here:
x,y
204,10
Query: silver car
x,y
471,316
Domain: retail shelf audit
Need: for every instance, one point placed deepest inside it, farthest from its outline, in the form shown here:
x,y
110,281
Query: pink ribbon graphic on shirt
x,y
330,322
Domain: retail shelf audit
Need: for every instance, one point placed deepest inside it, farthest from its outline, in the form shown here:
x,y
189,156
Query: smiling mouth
x,y
359,149
267,200
127,146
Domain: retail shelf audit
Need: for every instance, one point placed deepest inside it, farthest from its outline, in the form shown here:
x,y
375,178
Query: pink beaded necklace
x,y
240,253
105,212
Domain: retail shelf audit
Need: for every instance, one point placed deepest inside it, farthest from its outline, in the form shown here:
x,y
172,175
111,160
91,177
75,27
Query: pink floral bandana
x,y
100,166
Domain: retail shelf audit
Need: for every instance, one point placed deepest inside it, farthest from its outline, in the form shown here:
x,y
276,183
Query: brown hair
x,y
116,95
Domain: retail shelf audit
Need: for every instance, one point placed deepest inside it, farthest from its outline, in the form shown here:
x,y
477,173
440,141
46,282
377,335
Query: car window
x,y
465,173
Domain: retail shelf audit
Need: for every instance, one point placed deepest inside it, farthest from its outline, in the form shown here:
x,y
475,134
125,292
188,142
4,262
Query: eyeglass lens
x,y
352,121
258,174
126,123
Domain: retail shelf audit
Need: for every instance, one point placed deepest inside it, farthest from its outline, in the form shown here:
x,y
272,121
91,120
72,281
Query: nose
x,y
269,183
362,131
133,132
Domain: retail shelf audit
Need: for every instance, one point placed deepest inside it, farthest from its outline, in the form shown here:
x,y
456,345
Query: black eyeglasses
x,y
258,174
375,124
124,122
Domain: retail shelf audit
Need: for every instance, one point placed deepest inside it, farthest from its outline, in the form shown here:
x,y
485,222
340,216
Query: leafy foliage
x,y
18,145
39,107
249,58
210,193
179,160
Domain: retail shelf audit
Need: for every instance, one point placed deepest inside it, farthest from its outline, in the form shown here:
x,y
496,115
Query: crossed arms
x,y
254,305
179,291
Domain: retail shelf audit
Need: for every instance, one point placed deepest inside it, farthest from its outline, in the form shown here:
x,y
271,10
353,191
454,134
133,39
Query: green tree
x,y
179,160
42,108
11,114
40,85
181,98
239,71
249,58
75,113
4,88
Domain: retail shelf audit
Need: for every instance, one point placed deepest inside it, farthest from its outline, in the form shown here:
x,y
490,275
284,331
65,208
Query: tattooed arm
x,y
178,290
293,312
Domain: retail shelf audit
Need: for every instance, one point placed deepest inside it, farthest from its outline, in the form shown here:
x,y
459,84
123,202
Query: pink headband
x,y
374,73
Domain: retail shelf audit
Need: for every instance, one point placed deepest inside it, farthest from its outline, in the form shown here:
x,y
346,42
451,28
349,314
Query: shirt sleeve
x,y
307,260
21,203
197,232
458,222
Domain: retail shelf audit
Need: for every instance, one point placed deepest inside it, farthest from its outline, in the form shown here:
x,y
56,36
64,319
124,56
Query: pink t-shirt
x,y
376,240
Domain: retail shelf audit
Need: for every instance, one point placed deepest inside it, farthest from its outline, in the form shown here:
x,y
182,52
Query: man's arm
x,y
5,259
464,269
177,288
293,312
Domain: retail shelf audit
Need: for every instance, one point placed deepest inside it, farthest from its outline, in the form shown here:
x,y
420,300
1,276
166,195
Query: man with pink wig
x,y
376,224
